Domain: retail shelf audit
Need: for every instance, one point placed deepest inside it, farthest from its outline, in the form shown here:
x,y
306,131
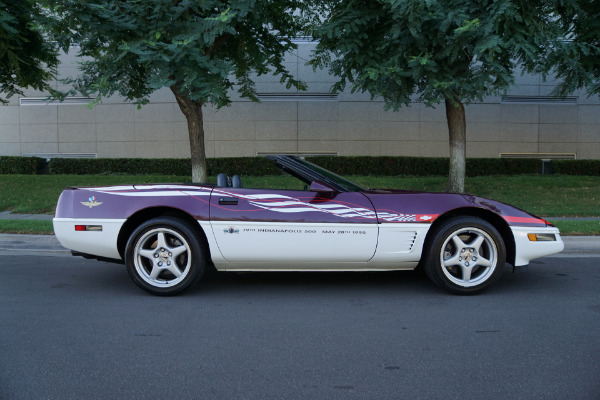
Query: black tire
x,y
165,256
465,255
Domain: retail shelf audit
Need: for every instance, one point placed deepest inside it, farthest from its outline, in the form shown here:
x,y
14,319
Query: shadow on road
x,y
87,277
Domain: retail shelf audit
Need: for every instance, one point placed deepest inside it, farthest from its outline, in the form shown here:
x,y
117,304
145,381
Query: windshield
x,y
338,180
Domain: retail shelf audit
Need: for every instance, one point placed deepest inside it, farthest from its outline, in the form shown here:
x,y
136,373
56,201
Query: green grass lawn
x,y
37,194
543,195
577,228
26,226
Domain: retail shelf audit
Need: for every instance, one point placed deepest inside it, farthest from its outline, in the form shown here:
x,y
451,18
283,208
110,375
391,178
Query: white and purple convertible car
x,y
169,235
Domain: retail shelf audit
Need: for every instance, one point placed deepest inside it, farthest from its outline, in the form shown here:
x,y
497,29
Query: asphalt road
x,y
80,329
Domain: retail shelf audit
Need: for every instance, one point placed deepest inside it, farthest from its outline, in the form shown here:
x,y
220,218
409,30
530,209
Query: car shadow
x,y
111,278
313,282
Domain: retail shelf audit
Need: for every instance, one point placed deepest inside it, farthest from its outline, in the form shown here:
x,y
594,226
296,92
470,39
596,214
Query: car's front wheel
x,y
165,256
466,255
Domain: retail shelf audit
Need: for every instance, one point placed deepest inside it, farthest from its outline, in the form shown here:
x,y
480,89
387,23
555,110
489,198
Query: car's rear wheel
x,y
466,255
165,256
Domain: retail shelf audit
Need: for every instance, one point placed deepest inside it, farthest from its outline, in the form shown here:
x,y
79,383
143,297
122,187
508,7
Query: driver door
x,y
292,226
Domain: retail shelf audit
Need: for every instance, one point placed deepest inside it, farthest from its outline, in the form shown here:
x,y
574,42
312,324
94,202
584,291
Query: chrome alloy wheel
x,y
469,257
162,257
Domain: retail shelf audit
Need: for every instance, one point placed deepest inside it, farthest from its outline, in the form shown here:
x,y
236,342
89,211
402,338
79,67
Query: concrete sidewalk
x,y
48,245
10,215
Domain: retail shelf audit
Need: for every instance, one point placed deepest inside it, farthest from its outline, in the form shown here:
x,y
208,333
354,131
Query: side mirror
x,y
322,188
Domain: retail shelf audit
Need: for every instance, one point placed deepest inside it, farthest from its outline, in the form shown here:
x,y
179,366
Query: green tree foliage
x,y
201,50
455,51
575,58
27,59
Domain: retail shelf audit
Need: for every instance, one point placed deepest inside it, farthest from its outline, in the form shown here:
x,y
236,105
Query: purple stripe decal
x,y
266,201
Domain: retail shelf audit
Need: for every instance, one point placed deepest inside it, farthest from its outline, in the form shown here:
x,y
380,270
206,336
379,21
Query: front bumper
x,y
527,250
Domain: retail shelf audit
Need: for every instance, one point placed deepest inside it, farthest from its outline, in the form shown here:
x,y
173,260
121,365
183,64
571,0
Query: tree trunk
x,y
457,129
193,113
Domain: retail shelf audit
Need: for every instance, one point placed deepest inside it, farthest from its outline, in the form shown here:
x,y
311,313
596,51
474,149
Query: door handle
x,y
228,200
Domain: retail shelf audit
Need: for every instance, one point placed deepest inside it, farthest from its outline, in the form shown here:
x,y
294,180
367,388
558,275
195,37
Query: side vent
x,y
411,240
49,156
304,39
297,96
45,101
542,156
540,100
300,154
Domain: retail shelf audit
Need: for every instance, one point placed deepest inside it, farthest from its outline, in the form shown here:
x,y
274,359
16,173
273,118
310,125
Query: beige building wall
x,y
308,123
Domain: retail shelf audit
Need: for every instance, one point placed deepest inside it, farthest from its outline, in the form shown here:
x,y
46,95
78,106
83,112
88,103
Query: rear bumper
x,y
527,250
101,243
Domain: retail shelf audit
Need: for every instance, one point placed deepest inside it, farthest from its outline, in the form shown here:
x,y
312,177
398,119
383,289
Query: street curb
x,y
31,245
7,215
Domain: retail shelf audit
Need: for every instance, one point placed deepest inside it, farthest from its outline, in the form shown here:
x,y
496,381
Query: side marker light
x,y
541,237
88,228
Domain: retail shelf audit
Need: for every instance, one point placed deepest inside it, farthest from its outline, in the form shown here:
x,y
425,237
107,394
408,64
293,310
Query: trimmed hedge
x,y
385,166
503,166
260,166
21,165
125,166
576,167
254,166
423,166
